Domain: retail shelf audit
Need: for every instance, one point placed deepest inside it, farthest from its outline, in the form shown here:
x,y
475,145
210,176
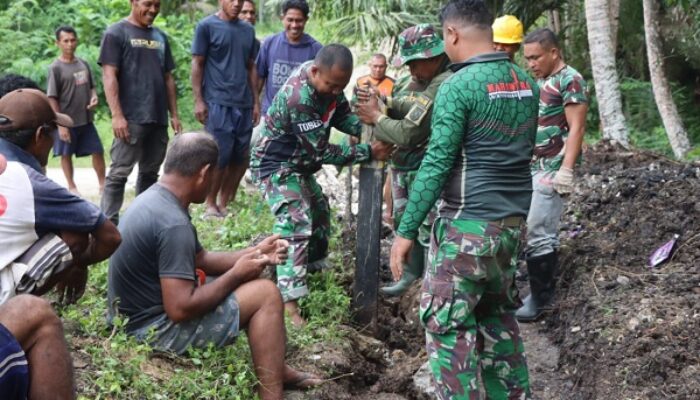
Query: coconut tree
x,y
673,124
607,85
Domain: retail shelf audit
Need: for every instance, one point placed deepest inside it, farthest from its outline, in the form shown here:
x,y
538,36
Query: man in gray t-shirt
x,y
153,281
71,91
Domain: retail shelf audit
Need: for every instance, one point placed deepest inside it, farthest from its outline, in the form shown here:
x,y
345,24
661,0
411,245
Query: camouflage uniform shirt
x,y
297,126
408,123
483,131
556,92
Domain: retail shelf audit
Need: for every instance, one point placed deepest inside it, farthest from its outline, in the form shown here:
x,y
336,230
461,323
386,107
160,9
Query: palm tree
x,y
673,124
607,85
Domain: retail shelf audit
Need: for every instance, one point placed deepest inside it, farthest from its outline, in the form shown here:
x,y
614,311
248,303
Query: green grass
x,y
119,367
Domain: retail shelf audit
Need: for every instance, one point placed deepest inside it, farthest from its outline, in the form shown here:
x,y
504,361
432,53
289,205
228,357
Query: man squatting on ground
x,y
292,147
560,129
223,76
408,126
137,67
152,278
478,163
71,90
49,235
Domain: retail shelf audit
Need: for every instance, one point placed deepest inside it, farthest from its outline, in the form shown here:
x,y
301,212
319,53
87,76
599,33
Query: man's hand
x,y
274,248
93,103
72,287
399,255
120,128
201,112
249,266
381,150
564,180
256,114
64,134
175,123
368,110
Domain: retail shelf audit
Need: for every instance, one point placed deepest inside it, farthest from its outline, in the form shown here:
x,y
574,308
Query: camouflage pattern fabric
x,y
294,138
418,42
302,217
467,307
556,92
407,158
400,186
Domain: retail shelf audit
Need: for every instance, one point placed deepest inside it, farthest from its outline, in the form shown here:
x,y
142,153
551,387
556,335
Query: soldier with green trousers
x,y
478,164
407,125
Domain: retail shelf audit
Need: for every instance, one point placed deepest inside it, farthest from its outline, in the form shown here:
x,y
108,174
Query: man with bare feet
x,y
152,278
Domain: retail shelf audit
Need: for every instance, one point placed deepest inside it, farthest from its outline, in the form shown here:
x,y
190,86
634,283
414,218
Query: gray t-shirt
x,y
71,83
158,241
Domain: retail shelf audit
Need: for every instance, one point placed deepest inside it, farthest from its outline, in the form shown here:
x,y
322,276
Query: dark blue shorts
x,y
84,141
14,369
231,128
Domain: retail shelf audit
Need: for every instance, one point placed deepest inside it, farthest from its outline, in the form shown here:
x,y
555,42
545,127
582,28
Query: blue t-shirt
x,y
278,58
228,47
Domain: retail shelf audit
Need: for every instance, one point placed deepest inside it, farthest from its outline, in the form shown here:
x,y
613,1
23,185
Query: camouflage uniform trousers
x,y
302,217
401,182
467,308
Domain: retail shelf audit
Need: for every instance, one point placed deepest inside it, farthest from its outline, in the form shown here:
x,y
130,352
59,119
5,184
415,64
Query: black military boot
x,y
541,270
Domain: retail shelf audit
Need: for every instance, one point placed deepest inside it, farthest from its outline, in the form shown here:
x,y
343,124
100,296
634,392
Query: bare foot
x,y
292,310
75,191
298,380
213,213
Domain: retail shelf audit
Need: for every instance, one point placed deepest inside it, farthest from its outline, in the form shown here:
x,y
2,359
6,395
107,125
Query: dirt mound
x,y
627,330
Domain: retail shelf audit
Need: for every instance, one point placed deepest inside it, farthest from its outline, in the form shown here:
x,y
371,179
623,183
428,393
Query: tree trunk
x,y
662,90
614,7
607,85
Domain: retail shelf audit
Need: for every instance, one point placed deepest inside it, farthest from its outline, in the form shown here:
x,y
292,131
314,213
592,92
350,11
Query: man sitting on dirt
x,y
561,125
407,125
478,164
32,345
293,146
152,278
49,235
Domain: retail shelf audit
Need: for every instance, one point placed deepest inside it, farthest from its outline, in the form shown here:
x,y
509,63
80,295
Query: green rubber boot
x,y
411,271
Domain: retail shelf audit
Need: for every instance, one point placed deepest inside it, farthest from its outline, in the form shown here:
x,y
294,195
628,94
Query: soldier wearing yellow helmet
x,y
507,34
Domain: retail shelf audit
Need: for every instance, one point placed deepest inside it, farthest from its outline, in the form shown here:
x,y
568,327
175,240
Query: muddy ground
x,y
618,328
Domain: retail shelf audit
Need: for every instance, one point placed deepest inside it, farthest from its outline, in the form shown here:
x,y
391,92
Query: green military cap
x,y
418,43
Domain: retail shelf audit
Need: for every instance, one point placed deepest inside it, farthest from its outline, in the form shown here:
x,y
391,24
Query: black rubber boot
x,y
541,270
411,271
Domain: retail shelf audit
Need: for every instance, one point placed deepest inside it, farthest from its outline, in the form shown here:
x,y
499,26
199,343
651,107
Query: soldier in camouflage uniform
x,y
408,126
293,146
478,163
561,124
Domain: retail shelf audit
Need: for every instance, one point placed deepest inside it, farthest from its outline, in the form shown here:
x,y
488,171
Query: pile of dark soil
x,y
628,331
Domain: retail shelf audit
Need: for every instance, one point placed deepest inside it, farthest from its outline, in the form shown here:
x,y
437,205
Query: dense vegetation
x,y
27,28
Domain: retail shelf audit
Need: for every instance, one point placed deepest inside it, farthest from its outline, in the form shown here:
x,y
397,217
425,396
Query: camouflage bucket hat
x,y
418,43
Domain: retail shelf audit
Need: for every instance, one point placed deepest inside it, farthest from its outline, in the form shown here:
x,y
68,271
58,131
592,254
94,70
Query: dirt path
x,y
546,381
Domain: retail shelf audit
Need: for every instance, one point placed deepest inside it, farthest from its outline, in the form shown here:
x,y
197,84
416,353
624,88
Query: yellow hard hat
x,y
507,29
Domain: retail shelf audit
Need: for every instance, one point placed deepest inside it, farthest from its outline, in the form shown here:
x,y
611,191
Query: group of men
x,y
469,127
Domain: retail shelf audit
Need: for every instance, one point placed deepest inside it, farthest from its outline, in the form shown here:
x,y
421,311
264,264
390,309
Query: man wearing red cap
x,y
49,235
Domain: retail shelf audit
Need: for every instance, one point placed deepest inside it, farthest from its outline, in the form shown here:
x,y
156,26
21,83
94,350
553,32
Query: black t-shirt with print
x,y
142,57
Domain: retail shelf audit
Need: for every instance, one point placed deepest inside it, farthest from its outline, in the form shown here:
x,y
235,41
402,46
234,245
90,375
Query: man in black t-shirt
x,y
137,67
152,279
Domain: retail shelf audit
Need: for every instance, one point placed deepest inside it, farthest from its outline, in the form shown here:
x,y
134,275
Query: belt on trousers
x,y
509,222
